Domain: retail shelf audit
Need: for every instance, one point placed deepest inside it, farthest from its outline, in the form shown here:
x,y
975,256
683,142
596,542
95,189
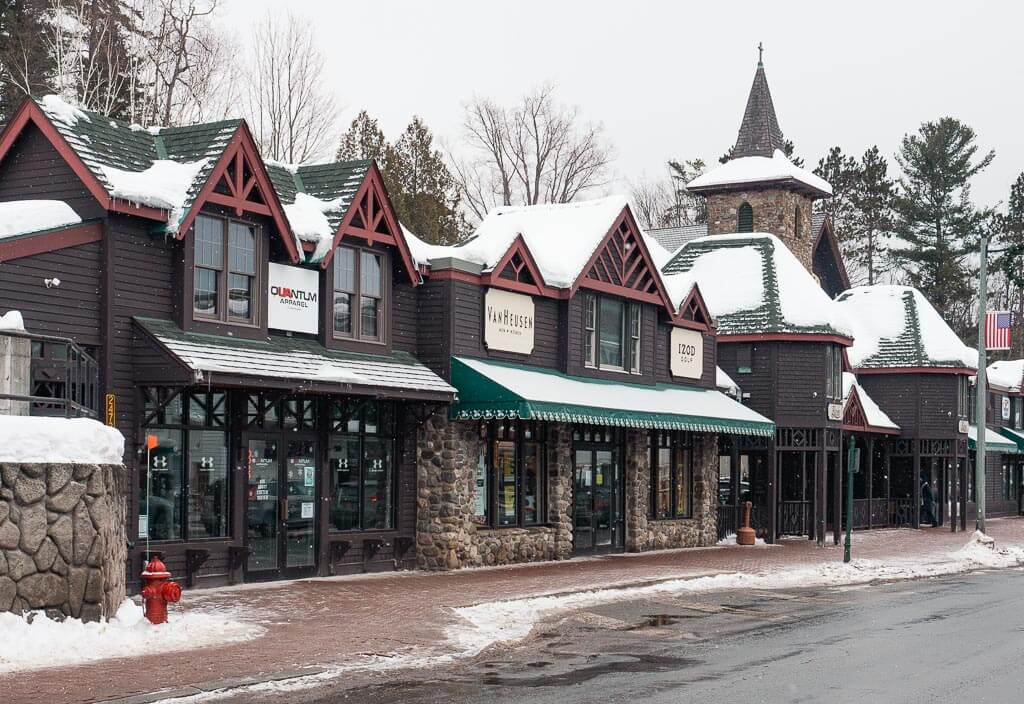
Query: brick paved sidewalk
x,y
328,622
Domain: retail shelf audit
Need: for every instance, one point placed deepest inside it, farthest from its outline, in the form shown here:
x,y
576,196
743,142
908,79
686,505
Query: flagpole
x,y
981,395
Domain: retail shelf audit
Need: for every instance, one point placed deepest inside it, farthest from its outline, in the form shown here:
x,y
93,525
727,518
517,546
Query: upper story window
x,y
834,372
225,270
963,397
745,218
359,294
798,220
611,333
1017,415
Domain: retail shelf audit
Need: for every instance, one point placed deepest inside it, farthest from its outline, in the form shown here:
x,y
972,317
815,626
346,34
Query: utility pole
x,y
852,466
981,394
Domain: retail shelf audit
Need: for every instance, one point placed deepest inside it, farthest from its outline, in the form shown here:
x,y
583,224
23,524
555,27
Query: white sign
x,y
307,509
835,411
963,426
686,353
508,321
293,299
1006,408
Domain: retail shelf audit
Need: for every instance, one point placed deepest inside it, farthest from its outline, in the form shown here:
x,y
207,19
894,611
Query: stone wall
x,y
643,533
62,539
774,212
446,536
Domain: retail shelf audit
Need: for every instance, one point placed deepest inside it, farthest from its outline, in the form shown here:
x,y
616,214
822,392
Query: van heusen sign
x,y
686,351
293,296
508,321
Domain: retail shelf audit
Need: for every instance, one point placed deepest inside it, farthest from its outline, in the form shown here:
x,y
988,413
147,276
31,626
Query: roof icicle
x,y
759,134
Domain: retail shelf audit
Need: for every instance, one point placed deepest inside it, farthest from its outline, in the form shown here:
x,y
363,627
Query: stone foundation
x,y
62,539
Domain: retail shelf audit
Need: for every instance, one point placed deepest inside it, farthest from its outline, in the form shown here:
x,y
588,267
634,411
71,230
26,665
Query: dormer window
x,y
611,332
224,270
359,294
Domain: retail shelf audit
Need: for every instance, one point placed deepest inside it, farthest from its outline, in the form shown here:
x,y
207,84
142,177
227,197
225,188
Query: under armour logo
x,y
160,462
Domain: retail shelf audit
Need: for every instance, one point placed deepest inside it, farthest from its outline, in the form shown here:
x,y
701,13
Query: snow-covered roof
x,y
752,284
12,321
875,416
36,439
759,170
725,384
22,217
1007,374
561,237
896,326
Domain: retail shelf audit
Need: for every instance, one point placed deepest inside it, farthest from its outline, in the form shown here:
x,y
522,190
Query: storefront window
x,y
511,476
533,488
505,466
671,474
361,460
188,481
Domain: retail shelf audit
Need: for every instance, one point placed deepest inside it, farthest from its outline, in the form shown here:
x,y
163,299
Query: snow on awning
x,y
1014,436
501,390
23,217
994,441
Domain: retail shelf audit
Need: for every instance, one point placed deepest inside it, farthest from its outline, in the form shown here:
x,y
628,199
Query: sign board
x,y
835,411
293,298
1006,408
963,427
686,353
508,321
110,410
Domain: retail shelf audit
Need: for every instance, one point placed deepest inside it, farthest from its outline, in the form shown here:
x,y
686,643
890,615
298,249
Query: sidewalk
x,y
339,622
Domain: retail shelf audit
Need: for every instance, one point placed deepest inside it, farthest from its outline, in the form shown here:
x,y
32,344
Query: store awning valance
x,y
1014,436
502,390
994,441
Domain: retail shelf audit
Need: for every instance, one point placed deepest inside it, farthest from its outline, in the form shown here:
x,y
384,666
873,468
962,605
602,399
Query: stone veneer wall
x,y
642,533
446,536
62,539
774,212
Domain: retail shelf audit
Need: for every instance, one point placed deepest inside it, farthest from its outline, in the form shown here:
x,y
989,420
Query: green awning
x,y
501,390
994,442
1014,436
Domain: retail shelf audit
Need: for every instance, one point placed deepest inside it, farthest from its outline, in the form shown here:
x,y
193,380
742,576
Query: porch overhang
x,y
994,441
1014,436
501,390
289,363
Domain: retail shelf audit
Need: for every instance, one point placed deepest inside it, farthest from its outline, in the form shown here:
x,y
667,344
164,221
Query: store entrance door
x,y
281,506
598,495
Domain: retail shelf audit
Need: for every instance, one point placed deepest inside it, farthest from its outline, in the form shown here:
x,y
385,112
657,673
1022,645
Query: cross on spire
x,y
760,54
759,133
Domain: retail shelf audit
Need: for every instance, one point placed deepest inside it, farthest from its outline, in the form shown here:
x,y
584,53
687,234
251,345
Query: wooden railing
x,y
64,378
795,517
901,512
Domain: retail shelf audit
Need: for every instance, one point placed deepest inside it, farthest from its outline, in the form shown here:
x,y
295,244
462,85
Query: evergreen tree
x,y
1010,264
26,63
871,214
936,215
787,149
687,208
364,140
842,172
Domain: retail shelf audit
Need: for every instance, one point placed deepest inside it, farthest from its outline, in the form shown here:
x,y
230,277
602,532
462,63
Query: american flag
x,y
997,329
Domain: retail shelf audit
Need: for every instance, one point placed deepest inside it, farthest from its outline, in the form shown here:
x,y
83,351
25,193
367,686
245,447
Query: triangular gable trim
x,y
538,288
243,145
375,193
853,412
829,235
659,296
30,113
694,303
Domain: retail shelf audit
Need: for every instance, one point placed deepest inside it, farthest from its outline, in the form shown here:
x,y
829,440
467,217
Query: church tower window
x,y
745,218
799,224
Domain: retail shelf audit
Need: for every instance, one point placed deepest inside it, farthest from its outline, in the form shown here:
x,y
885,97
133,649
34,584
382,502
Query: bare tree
x,y
652,202
292,115
538,151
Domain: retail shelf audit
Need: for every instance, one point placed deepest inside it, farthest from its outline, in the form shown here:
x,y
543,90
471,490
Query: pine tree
x,y
26,64
364,140
936,215
787,149
687,208
842,172
871,215
1010,226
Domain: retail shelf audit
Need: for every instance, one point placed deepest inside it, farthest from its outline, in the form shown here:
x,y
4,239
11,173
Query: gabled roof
x,y
753,285
860,412
759,133
827,256
774,170
672,238
1007,374
896,327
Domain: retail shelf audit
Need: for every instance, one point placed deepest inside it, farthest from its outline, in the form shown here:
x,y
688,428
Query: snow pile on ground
x,y
59,440
730,541
20,217
506,621
12,321
38,642
753,169
165,185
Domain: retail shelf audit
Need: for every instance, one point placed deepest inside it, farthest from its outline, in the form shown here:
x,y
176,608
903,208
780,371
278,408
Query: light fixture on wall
x,y
51,283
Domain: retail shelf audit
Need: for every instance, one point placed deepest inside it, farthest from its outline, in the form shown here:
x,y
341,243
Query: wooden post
x,y
888,489
839,470
773,494
871,480
917,486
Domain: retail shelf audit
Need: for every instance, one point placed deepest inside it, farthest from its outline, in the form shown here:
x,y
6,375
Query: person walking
x,y
928,501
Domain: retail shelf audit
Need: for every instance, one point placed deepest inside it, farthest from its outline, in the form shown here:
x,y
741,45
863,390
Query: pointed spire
x,y
759,134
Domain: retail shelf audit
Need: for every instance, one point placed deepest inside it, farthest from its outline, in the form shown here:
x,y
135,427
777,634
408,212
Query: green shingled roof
x,y
769,315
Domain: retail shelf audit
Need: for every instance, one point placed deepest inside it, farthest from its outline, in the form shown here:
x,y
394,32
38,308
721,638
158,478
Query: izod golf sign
x,y
508,321
686,350
293,299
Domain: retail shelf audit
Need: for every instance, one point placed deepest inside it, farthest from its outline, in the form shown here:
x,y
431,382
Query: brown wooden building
x,y
1004,469
258,322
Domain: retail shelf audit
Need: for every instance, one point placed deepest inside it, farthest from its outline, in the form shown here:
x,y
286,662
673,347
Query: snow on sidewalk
x,y
39,642
508,621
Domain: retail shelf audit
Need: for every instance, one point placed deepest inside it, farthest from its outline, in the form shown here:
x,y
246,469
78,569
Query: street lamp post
x,y
981,395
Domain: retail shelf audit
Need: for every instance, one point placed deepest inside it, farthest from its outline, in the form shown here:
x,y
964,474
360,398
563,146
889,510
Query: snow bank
x,y
39,642
12,321
165,184
20,217
504,621
59,440
753,169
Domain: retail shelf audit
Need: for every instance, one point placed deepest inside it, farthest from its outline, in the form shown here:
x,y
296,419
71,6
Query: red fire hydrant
x,y
158,591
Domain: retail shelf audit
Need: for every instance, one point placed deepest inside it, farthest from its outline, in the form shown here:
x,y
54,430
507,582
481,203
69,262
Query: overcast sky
x,y
670,80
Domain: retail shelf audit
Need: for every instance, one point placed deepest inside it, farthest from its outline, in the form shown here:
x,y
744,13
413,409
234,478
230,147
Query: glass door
x,y
605,498
597,501
583,501
281,507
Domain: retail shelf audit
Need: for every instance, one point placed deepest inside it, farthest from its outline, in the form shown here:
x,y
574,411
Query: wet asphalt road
x,y
950,639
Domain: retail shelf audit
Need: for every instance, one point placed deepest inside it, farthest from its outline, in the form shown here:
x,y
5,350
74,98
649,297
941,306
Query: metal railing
x,y
63,379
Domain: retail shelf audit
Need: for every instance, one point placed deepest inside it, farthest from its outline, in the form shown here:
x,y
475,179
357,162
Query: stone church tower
x,y
759,189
